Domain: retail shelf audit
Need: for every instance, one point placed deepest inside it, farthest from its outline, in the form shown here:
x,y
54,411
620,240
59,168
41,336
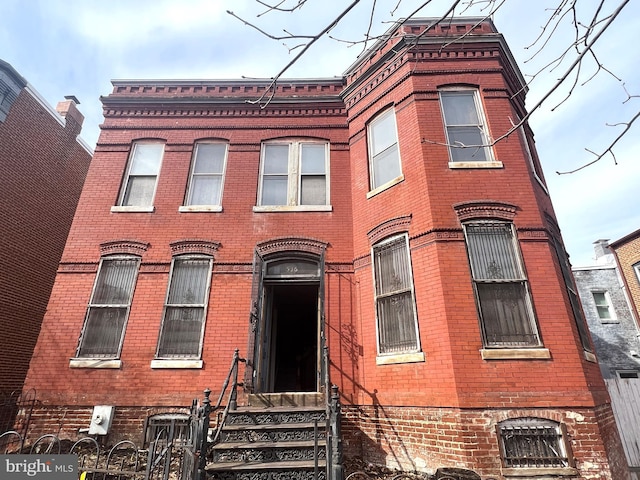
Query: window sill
x,y
590,357
539,472
484,164
292,208
200,208
176,363
125,209
385,186
400,358
95,363
515,353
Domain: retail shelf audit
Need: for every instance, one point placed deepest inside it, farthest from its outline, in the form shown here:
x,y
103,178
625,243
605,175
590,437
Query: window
x,y
465,127
108,308
185,308
501,286
533,443
167,428
572,291
604,306
395,302
207,174
294,174
140,183
636,268
384,154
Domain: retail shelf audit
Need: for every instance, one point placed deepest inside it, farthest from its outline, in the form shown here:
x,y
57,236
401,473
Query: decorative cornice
x,y
361,262
156,267
131,247
533,234
389,227
233,268
134,109
205,247
485,209
436,235
288,244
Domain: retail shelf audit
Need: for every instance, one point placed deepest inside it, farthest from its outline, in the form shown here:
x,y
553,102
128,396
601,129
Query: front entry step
x,y
276,443
294,399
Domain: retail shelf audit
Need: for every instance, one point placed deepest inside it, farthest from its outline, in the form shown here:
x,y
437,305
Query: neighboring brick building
x,y
627,253
615,336
44,164
364,212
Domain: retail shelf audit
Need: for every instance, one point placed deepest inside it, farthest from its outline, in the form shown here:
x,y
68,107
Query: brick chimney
x,y
68,110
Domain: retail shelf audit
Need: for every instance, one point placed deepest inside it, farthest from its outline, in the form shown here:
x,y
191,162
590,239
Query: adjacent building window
x,y
604,306
572,291
395,300
467,134
384,154
185,308
533,443
501,286
294,174
108,309
207,174
139,185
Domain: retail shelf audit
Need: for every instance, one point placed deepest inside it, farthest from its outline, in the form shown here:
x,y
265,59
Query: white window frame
x,y
410,354
121,207
519,279
489,161
536,168
376,186
608,304
80,358
189,206
294,177
636,268
184,360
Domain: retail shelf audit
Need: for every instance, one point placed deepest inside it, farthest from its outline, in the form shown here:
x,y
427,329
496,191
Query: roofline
x,y
430,39
624,239
13,73
222,82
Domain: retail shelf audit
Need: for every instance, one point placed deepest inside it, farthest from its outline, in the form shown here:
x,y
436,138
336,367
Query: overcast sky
x,y
75,47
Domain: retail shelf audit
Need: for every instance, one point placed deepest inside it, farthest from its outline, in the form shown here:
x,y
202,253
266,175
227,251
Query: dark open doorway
x,y
290,359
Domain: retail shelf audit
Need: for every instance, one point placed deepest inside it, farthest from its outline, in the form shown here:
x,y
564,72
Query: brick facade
x,y
437,402
44,166
627,253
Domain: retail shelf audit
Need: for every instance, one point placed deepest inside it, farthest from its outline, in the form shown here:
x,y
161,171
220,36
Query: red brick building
x,y
370,213
44,164
627,253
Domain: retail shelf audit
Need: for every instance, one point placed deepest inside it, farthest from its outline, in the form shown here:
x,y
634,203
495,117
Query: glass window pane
x,y
146,159
313,190
383,132
396,327
465,144
103,332
505,314
392,267
206,189
290,268
189,282
181,332
274,190
459,108
139,191
386,167
209,158
114,285
492,252
276,159
313,158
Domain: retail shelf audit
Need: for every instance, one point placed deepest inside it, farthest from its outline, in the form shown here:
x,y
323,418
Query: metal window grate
x,y
526,444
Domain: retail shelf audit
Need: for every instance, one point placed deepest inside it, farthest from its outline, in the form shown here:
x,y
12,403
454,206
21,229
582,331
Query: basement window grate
x,y
533,443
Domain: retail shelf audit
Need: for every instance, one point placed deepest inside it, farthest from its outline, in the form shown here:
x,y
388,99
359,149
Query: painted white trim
x,y
132,209
176,363
292,208
385,186
483,164
199,208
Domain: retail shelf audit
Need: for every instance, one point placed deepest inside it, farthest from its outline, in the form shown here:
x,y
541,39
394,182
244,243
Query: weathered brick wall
x,y
426,438
628,255
43,172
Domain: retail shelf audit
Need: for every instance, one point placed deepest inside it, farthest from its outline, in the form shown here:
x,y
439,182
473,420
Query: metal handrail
x,y
232,402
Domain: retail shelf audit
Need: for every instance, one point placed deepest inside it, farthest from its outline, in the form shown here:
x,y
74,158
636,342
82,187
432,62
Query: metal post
x,y
336,433
205,413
